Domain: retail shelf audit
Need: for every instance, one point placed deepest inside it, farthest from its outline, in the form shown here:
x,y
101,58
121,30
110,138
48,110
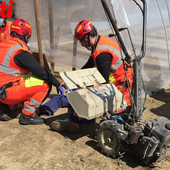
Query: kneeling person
x,y
23,80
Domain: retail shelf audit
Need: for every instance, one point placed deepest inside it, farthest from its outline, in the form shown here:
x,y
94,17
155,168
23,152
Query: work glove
x,y
60,90
63,84
66,87
3,92
68,90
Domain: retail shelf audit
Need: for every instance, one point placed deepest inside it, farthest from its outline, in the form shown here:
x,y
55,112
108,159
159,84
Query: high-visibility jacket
x,y
117,74
9,71
26,88
5,31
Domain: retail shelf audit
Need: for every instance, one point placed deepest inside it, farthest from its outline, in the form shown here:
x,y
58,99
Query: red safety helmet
x,y
21,27
83,27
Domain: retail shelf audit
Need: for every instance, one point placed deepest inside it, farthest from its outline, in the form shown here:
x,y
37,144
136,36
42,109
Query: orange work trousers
x,y
31,97
126,91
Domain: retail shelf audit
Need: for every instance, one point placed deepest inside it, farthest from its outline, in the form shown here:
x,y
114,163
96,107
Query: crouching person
x,y
106,55
23,80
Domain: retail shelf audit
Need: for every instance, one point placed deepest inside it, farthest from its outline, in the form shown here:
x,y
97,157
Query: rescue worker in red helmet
x,y
23,80
106,56
4,27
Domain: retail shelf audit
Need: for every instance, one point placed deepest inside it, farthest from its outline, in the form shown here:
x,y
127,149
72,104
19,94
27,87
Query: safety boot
x,y
5,117
65,126
4,112
26,120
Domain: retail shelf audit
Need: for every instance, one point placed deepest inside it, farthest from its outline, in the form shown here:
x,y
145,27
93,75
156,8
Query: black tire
x,y
110,137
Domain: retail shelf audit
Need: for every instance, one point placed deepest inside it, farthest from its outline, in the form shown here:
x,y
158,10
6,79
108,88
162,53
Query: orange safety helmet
x,y
21,27
83,27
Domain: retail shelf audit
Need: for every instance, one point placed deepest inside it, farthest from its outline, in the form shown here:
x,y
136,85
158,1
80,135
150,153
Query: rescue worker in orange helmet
x,y
23,80
106,55
4,27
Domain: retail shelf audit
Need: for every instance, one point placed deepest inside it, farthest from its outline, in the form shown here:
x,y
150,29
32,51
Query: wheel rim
x,y
108,140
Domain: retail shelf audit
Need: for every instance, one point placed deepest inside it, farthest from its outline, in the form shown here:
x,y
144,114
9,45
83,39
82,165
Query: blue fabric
x,y
61,101
68,90
60,91
55,103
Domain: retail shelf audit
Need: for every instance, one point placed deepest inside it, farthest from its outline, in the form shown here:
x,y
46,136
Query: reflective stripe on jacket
x,y
106,45
9,71
117,72
5,31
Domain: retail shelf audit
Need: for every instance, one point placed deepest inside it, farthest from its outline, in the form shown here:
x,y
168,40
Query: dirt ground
x,y
36,147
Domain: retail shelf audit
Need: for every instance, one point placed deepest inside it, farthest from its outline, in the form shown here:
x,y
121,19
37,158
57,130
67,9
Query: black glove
x,y
3,92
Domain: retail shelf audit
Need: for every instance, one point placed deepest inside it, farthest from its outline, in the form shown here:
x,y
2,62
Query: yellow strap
x,y
32,81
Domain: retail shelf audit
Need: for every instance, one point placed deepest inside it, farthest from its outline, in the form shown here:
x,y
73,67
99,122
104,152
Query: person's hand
x,y
60,90
63,84
66,87
68,90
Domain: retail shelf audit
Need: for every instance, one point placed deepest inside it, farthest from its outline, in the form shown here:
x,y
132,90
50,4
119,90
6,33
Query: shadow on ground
x,y
86,130
163,109
129,157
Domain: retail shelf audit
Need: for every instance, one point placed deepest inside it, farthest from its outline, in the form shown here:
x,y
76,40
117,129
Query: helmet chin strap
x,y
88,44
89,48
95,42
27,41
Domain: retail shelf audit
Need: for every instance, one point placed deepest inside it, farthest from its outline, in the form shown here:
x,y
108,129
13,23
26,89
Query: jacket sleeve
x,y
104,61
28,62
89,63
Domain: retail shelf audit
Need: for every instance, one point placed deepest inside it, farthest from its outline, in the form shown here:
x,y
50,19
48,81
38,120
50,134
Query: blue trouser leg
x,y
54,104
57,102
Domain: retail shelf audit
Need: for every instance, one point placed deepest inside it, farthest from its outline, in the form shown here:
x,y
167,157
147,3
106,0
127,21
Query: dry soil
x,y
36,147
